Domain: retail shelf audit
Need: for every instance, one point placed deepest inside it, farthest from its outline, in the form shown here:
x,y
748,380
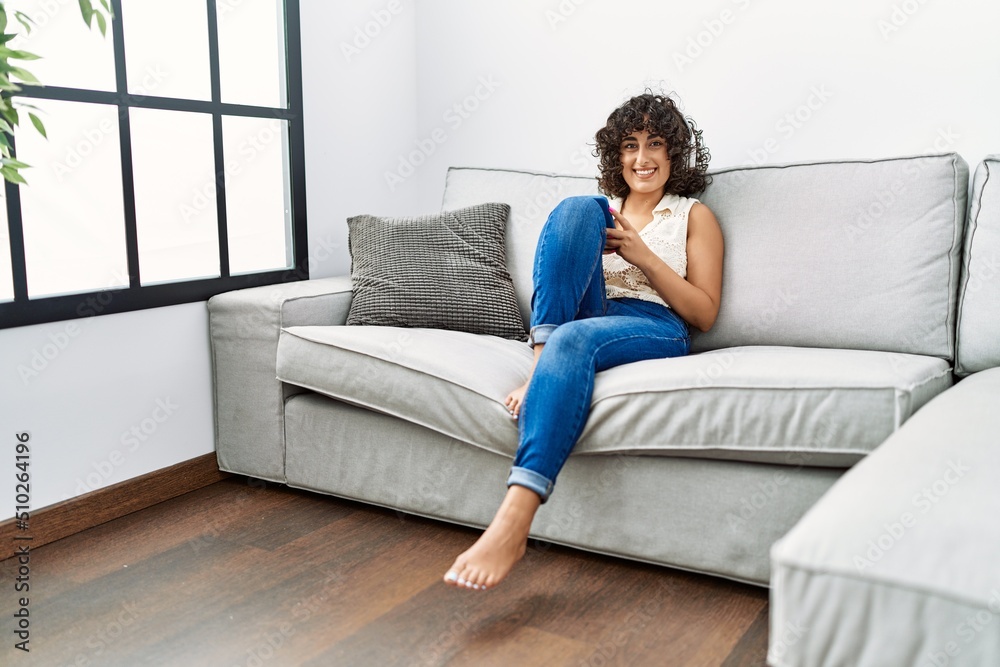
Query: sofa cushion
x,y
898,563
447,271
979,298
531,196
860,254
847,254
797,406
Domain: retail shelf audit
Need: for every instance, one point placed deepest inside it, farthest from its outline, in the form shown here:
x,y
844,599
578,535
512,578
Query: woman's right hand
x,y
515,400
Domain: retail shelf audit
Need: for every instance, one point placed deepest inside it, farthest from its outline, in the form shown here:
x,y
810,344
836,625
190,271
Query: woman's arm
x,y
696,298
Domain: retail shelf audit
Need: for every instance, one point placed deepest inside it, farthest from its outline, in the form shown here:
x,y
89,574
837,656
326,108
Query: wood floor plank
x,y
524,645
358,563
238,574
751,650
71,516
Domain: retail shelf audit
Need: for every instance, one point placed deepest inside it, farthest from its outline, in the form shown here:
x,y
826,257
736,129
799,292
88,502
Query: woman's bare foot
x,y
490,559
515,400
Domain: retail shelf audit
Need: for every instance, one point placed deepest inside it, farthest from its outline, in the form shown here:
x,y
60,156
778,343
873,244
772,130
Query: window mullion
x,y
18,263
293,60
215,76
125,141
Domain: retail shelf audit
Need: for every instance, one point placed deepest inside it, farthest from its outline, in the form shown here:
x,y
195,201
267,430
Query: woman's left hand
x,y
625,241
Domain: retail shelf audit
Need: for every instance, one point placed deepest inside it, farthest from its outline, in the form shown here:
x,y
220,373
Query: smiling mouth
x,y
644,172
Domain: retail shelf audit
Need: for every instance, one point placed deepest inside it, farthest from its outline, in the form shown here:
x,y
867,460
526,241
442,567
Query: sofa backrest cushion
x,y
861,254
979,289
531,196
858,254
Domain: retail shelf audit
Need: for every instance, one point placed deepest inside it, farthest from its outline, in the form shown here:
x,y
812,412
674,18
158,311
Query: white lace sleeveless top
x,y
666,236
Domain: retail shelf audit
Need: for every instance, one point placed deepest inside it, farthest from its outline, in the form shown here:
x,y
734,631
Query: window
x,y
174,166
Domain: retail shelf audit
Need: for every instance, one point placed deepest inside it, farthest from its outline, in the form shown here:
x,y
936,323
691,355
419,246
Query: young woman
x,y
614,283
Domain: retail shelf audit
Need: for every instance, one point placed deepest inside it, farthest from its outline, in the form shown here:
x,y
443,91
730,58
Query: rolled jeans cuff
x,y
530,479
540,334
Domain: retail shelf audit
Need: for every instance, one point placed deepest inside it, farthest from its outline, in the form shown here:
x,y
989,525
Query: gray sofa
x,y
899,563
838,323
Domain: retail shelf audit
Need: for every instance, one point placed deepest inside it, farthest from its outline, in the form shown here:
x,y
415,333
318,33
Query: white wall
x,y
359,77
563,65
544,86
150,370
105,399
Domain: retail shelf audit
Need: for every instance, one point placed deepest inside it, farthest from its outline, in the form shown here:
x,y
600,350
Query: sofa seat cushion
x,y
899,563
798,406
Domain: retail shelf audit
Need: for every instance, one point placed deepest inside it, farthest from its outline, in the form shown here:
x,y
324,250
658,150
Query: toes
x,y
482,581
471,578
467,577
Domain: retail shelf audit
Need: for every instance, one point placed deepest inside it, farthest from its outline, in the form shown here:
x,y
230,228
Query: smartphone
x,y
609,219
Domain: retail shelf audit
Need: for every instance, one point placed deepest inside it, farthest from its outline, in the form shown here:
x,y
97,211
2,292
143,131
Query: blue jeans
x,y
584,332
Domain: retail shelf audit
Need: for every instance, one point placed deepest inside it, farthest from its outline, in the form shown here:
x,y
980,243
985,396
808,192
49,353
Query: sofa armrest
x,y
249,400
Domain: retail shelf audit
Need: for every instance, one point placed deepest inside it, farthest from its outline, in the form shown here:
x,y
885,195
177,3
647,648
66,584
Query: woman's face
x,y
645,163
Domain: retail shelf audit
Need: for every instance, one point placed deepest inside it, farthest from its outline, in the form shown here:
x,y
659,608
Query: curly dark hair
x,y
658,115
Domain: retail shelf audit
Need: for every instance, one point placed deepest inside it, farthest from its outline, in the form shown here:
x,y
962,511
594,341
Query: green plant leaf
x,y
19,55
12,175
12,162
3,18
24,55
87,10
37,122
24,20
102,23
5,127
9,113
25,76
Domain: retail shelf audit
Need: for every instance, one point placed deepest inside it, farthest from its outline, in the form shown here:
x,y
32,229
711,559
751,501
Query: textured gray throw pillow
x,y
444,271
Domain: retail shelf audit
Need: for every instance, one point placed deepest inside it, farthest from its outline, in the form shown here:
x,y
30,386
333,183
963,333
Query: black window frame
x,y
24,311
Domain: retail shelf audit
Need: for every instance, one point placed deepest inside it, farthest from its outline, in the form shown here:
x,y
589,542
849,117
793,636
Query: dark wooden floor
x,y
239,574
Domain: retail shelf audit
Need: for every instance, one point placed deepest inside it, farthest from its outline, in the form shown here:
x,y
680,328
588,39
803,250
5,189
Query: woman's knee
x,y
572,340
579,208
